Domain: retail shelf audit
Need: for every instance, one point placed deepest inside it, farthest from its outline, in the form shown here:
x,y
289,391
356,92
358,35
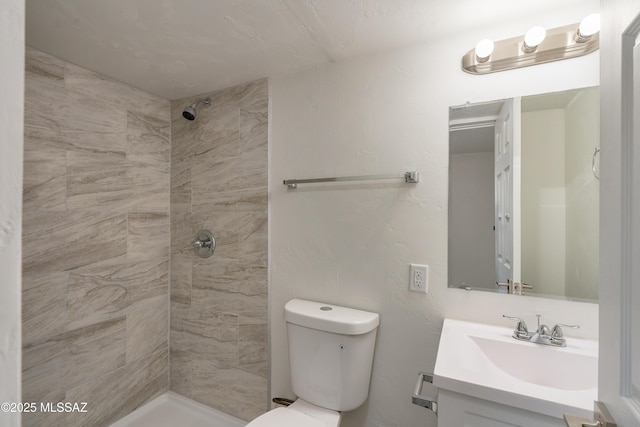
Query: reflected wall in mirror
x,y
524,194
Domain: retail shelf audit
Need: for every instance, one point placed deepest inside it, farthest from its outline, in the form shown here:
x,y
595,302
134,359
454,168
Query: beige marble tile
x,y
42,122
182,233
219,305
253,129
219,138
151,279
44,305
114,395
110,181
243,95
179,124
88,303
67,119
103,292
45,181
42,66
98,181
60,241
210,173
148,139
44,419
252,94
96,241
148,236
230,288
180,187
229,301
252,347
221,353
181,279
234,391
207,333
252,238
104,89
180,289
88,123
228,184
238,197
149,187
222,224
254,147
183,135
67,360
180,371
224,227
147,327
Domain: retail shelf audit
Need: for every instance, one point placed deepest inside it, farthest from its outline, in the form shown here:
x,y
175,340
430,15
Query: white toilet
x,y
330,356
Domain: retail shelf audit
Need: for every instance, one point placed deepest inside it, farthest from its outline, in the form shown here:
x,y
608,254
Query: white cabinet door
x,y
459,410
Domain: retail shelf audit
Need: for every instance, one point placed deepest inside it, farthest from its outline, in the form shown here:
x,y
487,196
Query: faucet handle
x,y
557,330
521,327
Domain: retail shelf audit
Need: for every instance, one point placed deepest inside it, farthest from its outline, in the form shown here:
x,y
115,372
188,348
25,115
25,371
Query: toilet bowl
x,y
330,359
299,414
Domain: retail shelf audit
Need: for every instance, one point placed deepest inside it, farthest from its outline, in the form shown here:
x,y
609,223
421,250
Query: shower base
x,y
171,409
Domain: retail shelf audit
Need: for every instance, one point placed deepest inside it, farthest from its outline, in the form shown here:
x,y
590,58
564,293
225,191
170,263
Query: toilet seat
x,y
298,414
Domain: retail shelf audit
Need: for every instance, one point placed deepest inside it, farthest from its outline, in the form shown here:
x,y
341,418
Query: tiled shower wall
x,y
95,243
219,304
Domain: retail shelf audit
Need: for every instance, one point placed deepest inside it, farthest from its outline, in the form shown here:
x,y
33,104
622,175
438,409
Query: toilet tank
x,y
330,353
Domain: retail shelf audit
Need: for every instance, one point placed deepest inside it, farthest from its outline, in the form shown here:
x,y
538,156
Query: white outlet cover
x,y
416,272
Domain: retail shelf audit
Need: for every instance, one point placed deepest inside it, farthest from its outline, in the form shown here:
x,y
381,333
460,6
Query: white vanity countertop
x,y
486,362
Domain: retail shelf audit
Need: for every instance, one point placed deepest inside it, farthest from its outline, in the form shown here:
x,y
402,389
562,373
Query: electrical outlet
x,y
418,278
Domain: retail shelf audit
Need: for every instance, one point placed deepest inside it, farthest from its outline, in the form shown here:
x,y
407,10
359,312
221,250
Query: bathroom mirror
x,y
524,194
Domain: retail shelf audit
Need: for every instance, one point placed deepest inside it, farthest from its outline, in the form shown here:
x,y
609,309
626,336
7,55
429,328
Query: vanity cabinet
x,y
459,410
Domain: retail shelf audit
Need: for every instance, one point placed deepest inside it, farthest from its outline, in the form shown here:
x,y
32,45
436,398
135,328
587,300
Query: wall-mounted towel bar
x,y
411,177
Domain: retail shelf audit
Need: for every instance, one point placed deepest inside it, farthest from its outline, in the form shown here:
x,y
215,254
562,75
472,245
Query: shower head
x,y
189,113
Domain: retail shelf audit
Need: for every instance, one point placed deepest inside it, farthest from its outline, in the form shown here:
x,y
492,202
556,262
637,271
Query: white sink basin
x,y
484,361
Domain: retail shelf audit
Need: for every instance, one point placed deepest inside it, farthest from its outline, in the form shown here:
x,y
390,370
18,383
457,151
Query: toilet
x,y
330,357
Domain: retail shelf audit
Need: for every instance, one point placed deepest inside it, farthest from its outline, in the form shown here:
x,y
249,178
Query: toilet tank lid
x,y
330,318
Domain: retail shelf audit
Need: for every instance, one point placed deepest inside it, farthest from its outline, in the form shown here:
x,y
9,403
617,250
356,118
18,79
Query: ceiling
x,y
181,48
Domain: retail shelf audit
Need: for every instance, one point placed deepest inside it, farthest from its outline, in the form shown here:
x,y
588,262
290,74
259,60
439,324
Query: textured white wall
x,y
351,244
11,137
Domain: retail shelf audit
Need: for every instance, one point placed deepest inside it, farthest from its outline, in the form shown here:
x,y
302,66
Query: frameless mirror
x,y
524,195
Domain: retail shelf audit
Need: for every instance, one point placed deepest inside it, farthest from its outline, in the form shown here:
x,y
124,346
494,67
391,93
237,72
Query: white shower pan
x,y
171,409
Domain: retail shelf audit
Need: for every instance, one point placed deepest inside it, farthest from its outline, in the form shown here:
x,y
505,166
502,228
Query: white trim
x,y
629,36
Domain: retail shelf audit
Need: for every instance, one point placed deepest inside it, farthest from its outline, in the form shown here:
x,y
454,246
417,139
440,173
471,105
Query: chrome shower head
x,y
189,113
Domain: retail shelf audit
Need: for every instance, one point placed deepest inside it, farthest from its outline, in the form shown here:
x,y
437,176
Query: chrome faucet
x,y
543,334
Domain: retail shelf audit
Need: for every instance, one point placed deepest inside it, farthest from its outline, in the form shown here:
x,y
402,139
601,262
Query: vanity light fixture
x,y
483,50
533,38
536,47
589,26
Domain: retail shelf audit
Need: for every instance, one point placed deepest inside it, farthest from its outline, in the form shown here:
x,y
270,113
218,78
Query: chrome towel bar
x,y
411,177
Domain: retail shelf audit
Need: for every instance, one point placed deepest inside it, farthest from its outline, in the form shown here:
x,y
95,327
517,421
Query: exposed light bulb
x,y
589,26
533,38
484,49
